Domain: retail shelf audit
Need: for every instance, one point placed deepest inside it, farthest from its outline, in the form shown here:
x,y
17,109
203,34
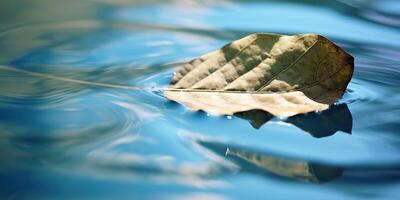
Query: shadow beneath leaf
x,y
268,164
323,124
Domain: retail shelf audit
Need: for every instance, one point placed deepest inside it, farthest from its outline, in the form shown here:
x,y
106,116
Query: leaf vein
x,y
287,67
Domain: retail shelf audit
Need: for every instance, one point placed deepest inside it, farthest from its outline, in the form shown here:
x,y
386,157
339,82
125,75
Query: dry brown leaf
x,y
283,75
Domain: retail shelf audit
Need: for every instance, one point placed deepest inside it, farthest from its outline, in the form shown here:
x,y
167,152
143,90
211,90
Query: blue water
x,y
62,139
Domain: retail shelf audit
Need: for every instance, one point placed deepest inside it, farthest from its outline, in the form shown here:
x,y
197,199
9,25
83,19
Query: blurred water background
x,y
61,139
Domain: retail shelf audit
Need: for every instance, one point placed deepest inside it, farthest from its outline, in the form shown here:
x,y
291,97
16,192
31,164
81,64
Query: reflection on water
x,y
326,123
66,139
295,169
323,124
300,170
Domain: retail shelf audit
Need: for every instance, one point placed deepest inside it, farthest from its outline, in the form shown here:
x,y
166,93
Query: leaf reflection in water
x,y
296,169
323,124
259,163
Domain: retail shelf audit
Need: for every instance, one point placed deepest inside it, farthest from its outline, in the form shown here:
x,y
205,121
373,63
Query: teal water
x,y
61,139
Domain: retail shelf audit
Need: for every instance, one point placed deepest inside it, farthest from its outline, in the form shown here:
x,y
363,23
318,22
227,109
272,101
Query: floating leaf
x,y
283,75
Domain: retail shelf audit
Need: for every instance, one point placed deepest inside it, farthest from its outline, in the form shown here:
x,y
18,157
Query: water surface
x,y
63,139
